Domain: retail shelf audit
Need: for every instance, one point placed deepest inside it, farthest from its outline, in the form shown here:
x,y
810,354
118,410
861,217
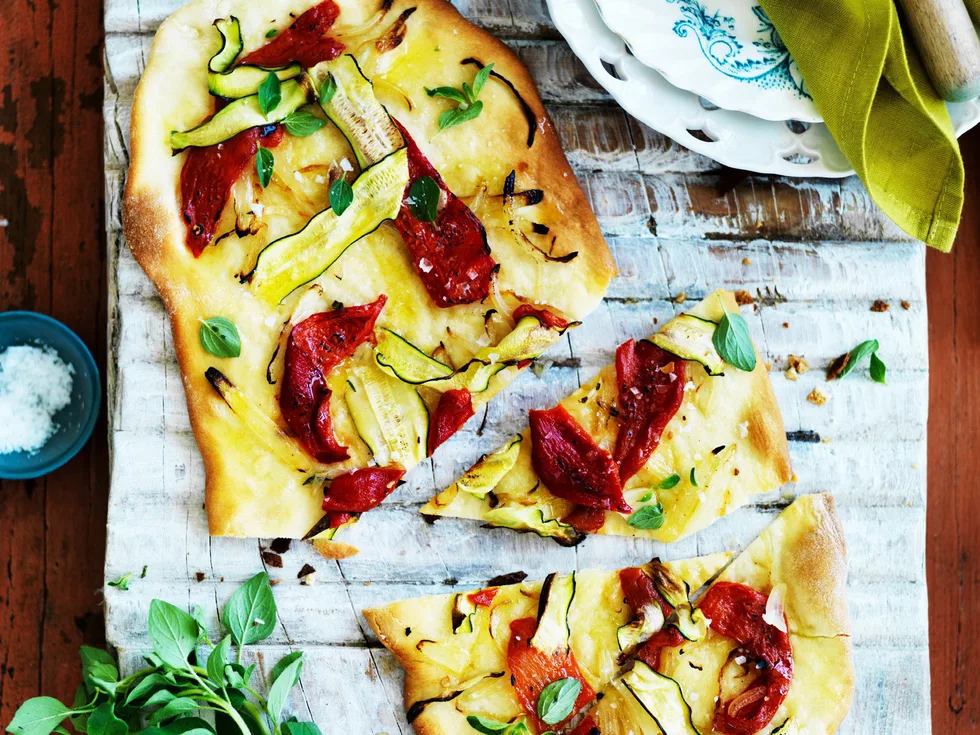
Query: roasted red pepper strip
x,y
450,255
649,652
207,177
648,399
303,41
533,670
483,598
570,463
315,346
454,409
587,727
735,611
339,518
546,317
640,591
585,519
358,491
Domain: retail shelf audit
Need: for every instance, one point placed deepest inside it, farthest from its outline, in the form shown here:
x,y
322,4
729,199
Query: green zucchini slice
x,y
689,337
291,261
400,358
486,474
355,110
240,115
553,632
463,611
528,339
690,622
231,44
662,699
649,622
262,426
243,81
529,518
389,416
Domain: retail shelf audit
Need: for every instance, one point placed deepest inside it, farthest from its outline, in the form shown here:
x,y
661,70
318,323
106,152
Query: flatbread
x,y
449,676
803,555
250,491
728,430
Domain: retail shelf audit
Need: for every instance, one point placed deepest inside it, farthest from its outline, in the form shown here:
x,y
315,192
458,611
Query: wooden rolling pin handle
x,y
948,44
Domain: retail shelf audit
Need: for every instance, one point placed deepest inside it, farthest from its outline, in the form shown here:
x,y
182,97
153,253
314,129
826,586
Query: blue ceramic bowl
x,y
75,421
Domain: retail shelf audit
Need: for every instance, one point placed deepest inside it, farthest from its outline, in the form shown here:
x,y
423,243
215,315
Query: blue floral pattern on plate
x,y
766,62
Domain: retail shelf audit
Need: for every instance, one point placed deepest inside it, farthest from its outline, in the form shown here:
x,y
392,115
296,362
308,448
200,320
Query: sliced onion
x,y
497,298
775,613
745,700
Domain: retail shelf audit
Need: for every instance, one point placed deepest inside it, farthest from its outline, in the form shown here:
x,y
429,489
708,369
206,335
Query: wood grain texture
x,y
811,254
52,260
954,511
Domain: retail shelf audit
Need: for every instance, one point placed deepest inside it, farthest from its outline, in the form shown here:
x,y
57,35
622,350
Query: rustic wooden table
x,y
54,258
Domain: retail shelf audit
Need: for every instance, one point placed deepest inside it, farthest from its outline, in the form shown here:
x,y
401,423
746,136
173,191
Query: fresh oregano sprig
x,y
468,105
170,693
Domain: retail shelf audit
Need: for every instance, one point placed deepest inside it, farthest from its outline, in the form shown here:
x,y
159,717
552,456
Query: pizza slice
x,y
658,445
491,654
765,648
362,225
773,654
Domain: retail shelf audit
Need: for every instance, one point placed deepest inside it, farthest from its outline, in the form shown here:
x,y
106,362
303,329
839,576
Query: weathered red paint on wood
x,y
52,259
953,520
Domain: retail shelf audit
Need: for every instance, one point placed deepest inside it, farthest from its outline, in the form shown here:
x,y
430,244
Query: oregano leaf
x,y
219,336
558,699
341,196
302,123
732,341
250,614
668,482
265,162
648,518
877,369
270,93
423,199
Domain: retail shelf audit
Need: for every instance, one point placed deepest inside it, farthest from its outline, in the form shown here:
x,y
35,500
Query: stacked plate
x,y
714,76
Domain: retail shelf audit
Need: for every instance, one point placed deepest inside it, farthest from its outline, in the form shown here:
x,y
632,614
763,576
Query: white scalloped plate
x,y
735,139
727,51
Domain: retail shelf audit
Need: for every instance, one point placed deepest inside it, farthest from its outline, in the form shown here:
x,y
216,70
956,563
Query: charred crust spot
x,y
838,366
199,576
281,545
505,579
540,229
272,559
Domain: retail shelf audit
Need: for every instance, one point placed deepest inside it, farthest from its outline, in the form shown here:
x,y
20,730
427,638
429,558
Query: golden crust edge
x,y
146,224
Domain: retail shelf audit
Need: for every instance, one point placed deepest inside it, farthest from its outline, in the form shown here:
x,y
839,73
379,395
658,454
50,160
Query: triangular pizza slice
x,y
680,431
489,654
773,654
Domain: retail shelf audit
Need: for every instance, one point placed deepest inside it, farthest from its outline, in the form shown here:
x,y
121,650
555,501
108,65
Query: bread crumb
x,y
680,298
791,374
837,366
798,364
906,305
307,575
746,261
880,306
768,367
817,397
743,297
785,325
199,576
272,559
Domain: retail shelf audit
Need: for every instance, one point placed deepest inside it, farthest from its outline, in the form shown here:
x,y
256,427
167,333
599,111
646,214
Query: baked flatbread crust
x,y
736,411
481,685
802,553
249,491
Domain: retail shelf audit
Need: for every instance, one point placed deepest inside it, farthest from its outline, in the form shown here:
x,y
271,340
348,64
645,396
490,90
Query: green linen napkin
x,y
873,93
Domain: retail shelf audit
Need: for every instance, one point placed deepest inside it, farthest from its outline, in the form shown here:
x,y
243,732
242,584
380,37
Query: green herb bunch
x,y
168,696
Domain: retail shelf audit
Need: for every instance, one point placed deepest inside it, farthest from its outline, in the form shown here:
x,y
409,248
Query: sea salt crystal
x,y
346,165
425,265
34,385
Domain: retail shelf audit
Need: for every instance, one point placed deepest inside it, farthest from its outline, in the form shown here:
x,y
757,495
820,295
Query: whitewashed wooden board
x,y
819,251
